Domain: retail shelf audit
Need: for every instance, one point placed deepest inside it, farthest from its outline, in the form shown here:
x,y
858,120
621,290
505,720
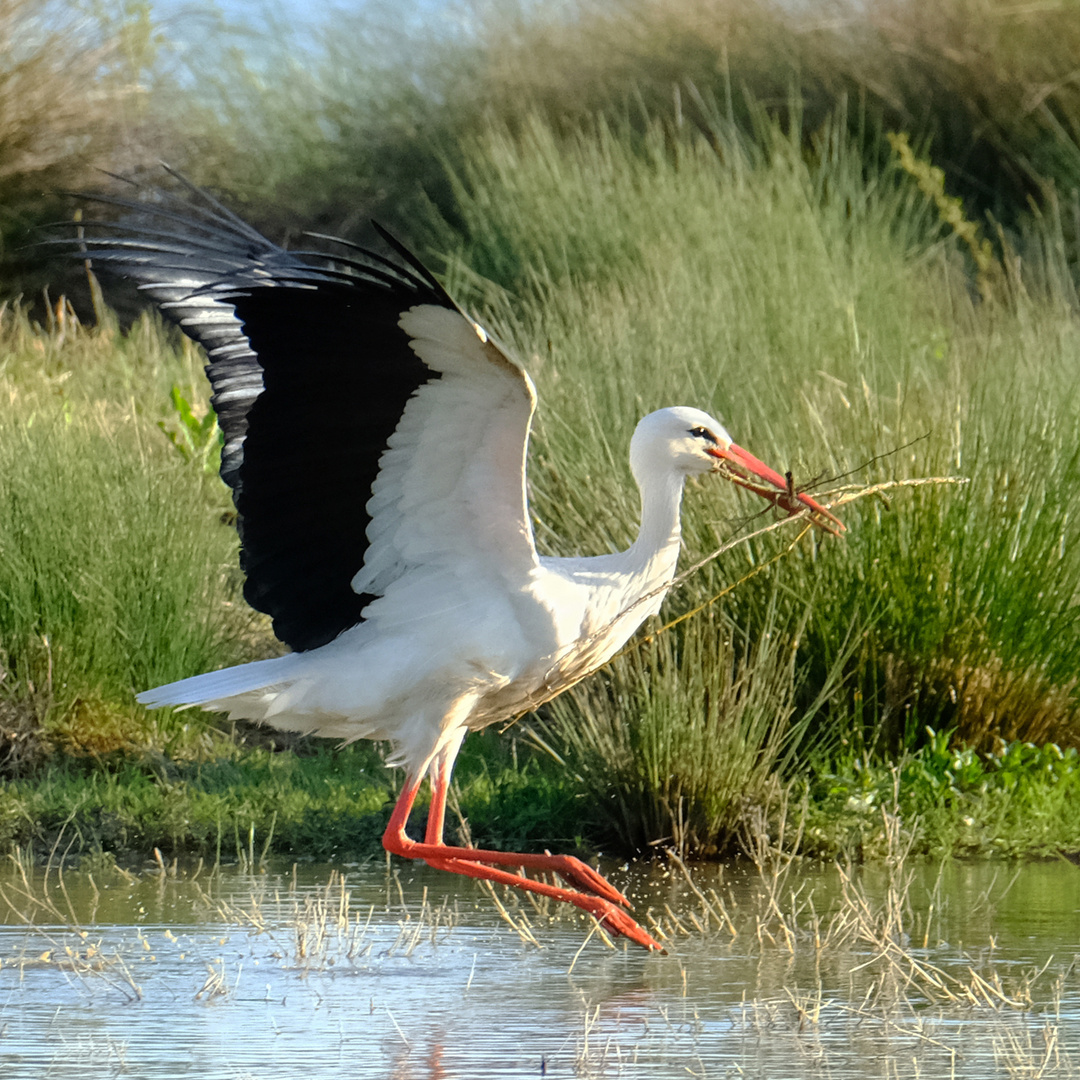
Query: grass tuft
x,y
117,571
795,280
685,734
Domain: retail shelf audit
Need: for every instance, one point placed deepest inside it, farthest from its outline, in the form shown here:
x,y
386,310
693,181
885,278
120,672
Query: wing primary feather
x,y
235,220
310,373
411,259
422,274
393,274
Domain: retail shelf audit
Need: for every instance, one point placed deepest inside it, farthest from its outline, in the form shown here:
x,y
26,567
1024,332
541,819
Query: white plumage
x,y
389,534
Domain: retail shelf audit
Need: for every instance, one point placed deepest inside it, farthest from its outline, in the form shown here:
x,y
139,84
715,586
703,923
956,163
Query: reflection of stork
x,y
375,443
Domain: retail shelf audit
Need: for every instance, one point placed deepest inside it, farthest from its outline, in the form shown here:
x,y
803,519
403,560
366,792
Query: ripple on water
x,y
286,974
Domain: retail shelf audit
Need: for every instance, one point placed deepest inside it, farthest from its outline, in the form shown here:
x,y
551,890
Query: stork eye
x,y
703,433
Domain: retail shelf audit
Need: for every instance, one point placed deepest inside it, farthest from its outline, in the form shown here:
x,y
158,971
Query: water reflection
x,y
298,972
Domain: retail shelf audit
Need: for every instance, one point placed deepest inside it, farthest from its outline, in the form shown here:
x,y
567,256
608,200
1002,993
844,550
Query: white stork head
x,y
680,442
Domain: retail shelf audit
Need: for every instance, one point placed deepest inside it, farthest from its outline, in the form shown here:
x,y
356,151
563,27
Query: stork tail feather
x,y
217,686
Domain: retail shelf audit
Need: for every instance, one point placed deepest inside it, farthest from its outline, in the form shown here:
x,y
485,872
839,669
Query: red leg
x,y
440,784
612,918
599,899
571,870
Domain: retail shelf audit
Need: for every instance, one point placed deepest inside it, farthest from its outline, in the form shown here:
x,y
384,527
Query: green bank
x,y
832,315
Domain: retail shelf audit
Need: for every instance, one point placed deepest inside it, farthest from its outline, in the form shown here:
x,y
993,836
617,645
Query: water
x,y
289,973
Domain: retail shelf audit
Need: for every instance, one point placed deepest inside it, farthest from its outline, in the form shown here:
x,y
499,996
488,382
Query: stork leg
x,y
599,898
440,785
572,870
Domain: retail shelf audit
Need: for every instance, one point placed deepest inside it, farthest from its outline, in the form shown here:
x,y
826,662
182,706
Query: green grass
x,y
233,805
240,798
824,311
117,562
244,803
1022,800
359,117
828,318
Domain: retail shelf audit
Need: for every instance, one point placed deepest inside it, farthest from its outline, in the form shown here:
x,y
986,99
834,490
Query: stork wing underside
x,y
313,377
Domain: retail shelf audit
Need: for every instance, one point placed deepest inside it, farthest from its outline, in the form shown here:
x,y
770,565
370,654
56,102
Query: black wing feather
x,y
310,373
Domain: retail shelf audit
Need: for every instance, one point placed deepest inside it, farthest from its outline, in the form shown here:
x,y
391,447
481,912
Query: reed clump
x,y
374,104
948,606
114,559
826,292
683,734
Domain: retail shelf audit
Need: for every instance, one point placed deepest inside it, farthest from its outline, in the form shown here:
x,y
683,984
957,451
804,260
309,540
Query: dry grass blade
x,y
216,985
32,904
520,925
320,929
712,906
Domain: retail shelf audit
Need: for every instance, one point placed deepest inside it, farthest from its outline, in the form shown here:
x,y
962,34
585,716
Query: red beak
x,y
756,476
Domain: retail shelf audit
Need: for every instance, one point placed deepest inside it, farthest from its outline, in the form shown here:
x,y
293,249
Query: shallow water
x,y
290,973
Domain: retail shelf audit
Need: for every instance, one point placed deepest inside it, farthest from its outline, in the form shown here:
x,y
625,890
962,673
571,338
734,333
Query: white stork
x,y
375,441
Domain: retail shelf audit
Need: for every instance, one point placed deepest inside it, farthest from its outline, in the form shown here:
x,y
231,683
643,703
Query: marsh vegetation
x,y
682,220
775,965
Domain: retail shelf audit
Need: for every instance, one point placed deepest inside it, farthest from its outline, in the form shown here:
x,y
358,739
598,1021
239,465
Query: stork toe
x,y
579,874
616,921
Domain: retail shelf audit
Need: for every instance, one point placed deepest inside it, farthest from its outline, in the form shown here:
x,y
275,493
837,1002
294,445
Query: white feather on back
x,y
450,494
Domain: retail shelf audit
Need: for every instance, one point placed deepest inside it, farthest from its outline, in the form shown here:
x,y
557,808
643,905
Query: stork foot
x,y
616,921
597,895
612,918
584,877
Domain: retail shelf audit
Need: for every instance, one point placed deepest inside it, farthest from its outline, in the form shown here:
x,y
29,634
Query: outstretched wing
x,y
370,428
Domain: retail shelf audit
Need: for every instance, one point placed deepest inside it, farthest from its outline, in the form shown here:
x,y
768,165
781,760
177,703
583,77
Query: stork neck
x,y
656,549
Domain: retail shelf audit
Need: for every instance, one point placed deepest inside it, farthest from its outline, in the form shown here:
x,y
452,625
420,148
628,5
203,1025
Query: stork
x,y
375,441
